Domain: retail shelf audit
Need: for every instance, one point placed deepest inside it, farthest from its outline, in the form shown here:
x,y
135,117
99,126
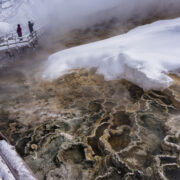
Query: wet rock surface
x,y
83,127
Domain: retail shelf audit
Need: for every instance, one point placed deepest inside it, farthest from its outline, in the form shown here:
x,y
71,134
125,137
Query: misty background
x,y
68,14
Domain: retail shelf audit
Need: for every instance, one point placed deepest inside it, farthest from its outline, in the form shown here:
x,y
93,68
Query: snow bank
x,y
143,56
4,28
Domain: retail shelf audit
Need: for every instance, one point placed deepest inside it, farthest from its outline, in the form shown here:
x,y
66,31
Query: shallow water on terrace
x,y
172,172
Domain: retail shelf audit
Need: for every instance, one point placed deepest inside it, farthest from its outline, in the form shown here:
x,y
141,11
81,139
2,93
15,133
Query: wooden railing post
x,y
7,42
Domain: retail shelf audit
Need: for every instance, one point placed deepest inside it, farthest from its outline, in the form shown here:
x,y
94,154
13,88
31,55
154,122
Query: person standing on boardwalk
x,y
19,31
30,25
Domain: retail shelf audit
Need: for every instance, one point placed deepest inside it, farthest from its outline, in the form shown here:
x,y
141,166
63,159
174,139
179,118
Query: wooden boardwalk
x,y
11,42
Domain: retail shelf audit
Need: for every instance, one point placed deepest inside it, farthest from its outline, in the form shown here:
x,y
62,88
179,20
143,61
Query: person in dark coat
x,y
19,31
30,25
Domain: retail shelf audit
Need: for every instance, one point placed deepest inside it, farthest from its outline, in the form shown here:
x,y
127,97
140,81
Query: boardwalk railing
x,y
12,166
12,41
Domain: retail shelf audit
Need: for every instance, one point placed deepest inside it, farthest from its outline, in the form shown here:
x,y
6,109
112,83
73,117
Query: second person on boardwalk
x,y
30,25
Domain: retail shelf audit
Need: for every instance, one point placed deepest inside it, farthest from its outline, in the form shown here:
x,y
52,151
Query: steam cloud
x,y
59,16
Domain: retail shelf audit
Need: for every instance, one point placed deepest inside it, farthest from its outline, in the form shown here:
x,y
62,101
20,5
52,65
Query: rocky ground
x,y
83,127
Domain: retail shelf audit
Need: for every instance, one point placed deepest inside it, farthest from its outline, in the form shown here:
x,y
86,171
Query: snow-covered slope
x,y
143,55
4,28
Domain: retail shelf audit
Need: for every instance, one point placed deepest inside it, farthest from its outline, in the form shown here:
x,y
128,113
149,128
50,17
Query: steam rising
x,y
59,16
